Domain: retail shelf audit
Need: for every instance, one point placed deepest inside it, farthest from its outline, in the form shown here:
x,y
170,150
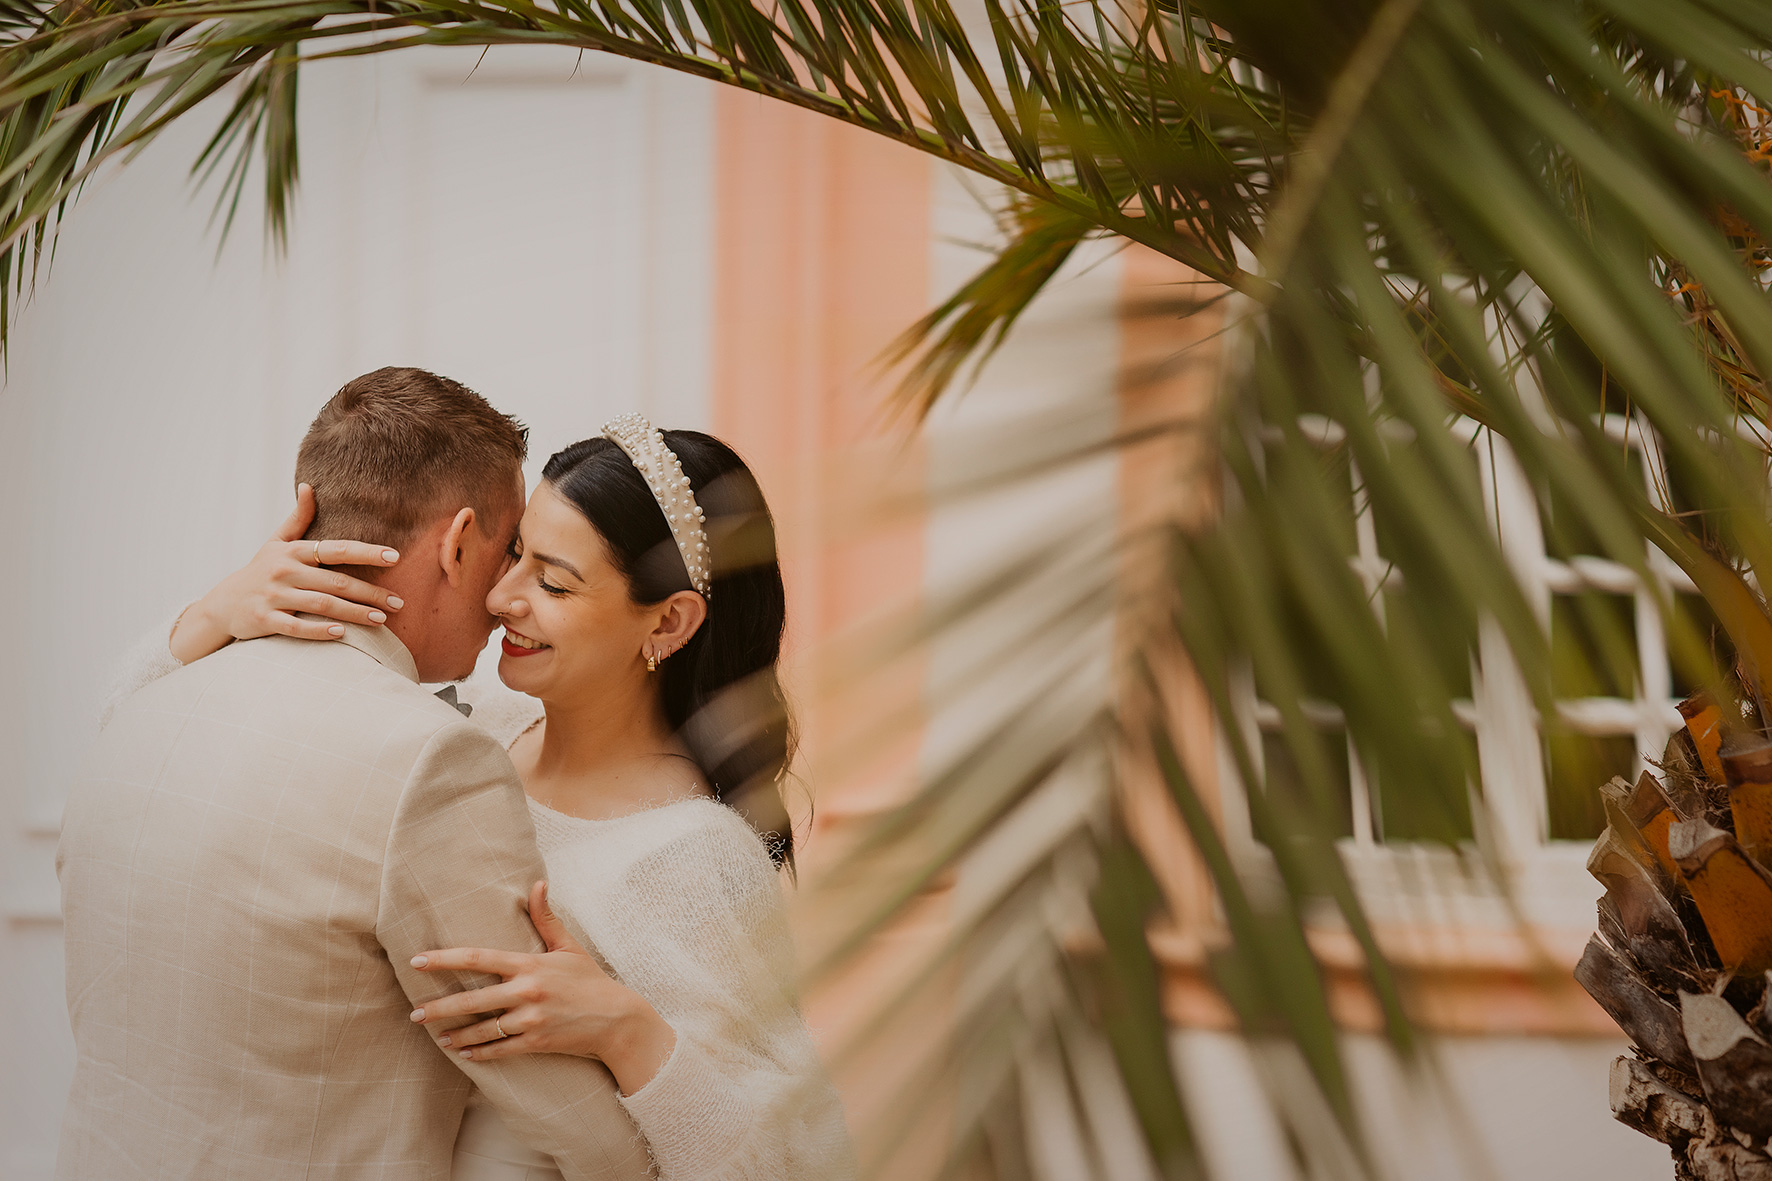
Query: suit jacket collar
x,y
383,646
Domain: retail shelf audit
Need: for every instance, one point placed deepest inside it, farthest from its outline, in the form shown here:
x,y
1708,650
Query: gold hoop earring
x,y
651,662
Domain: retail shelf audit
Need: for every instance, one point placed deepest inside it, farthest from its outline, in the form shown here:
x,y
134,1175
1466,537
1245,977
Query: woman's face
x,y
571,629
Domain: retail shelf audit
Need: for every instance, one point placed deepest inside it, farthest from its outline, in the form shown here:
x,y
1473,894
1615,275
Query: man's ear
x,y
449,555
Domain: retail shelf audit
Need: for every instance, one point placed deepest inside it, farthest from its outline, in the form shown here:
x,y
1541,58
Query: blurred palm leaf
x,y
1459,228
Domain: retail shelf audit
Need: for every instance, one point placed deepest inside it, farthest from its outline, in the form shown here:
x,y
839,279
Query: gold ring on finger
x,y
316,553
497,1023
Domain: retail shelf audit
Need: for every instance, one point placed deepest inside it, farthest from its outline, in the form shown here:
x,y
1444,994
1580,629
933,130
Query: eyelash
x,y
516,554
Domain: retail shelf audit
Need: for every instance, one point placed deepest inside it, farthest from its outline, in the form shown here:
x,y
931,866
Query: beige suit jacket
x,y
258,845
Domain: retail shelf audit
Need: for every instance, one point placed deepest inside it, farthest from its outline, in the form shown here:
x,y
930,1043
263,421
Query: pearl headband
x,y
670,487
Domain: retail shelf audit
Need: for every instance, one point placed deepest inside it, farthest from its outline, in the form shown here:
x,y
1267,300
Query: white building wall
x,y
1473,1109
540,231
1061,360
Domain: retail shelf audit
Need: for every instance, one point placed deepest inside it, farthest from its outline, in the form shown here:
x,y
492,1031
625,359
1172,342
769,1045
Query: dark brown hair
x,y
721,693
397,447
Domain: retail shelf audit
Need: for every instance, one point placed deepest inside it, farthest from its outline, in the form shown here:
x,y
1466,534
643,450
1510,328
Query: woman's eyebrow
x,y
561,563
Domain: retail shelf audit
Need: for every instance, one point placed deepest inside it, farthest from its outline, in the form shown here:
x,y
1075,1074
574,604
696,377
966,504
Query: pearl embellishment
x,y
663,474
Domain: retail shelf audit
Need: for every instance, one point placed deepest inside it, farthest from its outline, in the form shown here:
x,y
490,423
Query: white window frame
x,y
1418,883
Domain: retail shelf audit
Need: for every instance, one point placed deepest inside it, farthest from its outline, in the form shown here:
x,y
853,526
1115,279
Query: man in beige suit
x,y
262,840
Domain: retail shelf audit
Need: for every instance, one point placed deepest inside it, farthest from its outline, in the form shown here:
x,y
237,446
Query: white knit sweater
x,y
683,905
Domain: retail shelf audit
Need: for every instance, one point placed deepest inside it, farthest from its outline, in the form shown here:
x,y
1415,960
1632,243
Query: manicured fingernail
x,y
467,1053
336,630
419,961
390,555
418,1014
377,617
395,601
444,1040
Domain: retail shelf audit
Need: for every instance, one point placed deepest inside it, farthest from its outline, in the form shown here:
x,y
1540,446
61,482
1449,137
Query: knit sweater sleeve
x,y
145,661
743,1096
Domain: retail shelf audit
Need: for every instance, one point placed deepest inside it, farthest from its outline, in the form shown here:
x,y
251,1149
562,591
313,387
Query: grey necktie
x,y
447,694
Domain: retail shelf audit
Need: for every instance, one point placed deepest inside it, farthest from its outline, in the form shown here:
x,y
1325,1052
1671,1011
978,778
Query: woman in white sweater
x,y
643,613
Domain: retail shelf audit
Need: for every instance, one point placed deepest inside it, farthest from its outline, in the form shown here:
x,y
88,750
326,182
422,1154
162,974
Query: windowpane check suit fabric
x,y
255,849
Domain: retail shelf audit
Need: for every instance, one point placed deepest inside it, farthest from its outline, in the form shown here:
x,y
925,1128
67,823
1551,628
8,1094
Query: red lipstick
x,y
511,649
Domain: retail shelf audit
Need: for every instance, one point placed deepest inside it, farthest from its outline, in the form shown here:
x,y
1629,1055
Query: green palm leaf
x,y
1462,229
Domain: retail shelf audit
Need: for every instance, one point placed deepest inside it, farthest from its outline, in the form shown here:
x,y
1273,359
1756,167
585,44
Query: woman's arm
x,y
702,937
259,600
287,575
142,663
558,1002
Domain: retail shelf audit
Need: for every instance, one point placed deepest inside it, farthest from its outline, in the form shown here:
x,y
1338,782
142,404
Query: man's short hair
x,y
397,448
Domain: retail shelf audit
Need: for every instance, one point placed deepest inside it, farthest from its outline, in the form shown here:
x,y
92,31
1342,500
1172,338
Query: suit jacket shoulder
x,y
249,836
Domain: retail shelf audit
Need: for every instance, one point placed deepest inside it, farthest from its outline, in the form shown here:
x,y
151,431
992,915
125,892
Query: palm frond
x,y
1477,235
970,325
1055,129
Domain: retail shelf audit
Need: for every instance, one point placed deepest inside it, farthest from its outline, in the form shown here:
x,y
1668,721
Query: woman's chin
x,y
515,675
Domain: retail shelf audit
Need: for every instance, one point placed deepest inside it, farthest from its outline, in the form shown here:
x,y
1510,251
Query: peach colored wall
x,y
1169,374
822,235
822,239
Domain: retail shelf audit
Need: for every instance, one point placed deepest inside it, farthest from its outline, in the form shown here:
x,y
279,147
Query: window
x,y
1615,688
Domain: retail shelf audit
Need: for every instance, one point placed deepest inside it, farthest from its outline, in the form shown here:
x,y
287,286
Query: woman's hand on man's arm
x,y
558,1002
285,576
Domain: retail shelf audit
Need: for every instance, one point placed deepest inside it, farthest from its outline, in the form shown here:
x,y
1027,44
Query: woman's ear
x,y
450,553
679,618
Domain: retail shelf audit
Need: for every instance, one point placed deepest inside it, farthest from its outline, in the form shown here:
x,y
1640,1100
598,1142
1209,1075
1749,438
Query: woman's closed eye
x,y
548,586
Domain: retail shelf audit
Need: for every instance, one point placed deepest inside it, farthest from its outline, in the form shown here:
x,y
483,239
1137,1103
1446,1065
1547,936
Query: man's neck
x,y
414,622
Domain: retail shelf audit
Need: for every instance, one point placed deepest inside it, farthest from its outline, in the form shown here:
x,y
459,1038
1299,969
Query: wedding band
x,y
497,1024
316,553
